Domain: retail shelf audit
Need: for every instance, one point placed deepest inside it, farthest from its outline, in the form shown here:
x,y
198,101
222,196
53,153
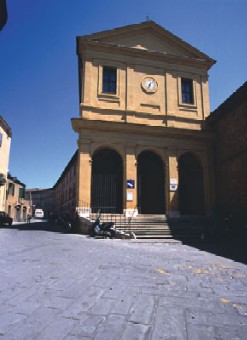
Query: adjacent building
x,y
40,199
5,142
16,206
142,145
229,125
64,190
3,14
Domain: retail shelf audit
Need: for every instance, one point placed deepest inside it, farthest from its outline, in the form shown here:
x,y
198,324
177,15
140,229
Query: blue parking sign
x,y
130,183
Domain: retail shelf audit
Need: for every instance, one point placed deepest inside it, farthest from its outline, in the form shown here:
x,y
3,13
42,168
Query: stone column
x,y
131,174
167,187
84,180
173,204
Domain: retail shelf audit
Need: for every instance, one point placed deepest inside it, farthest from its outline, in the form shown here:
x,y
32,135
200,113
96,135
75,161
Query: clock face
x,y
149,84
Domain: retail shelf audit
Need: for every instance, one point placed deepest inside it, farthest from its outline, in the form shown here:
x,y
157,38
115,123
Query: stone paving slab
x,y
62,286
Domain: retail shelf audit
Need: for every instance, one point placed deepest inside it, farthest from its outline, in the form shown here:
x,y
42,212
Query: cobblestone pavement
x,y
58,286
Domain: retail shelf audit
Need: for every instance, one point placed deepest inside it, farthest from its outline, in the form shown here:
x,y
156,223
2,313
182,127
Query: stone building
x,y
3,14
142,146
229,125
64,190
5,142
16,205
40,199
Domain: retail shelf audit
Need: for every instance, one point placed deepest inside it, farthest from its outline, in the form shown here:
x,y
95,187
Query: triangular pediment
x,y
147,36
145,40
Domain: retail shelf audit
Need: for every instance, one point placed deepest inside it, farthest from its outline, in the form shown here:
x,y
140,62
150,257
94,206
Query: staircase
x,y
148,226
158,226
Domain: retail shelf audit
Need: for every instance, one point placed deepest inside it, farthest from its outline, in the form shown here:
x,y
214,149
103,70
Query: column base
x,y
173,214
130,212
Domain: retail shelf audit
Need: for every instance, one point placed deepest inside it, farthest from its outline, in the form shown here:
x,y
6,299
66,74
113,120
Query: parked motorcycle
x,y
105,230
108,230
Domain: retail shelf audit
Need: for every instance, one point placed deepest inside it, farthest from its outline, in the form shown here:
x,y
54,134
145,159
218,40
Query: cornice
x,y
79,124
84,46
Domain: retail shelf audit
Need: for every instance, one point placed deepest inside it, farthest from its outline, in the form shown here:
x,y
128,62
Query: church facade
x,y
142,145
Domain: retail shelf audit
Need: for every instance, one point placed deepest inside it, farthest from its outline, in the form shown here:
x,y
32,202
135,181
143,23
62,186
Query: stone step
x,y
157,226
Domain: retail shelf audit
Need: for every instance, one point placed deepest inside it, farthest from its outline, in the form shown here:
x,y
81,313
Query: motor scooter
x,y
105,230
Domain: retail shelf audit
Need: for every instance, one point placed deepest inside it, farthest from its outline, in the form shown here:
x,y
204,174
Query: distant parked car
x,y
5,219
39,213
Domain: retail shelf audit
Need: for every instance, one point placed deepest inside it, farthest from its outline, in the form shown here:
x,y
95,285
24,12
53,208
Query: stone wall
x,y
229,123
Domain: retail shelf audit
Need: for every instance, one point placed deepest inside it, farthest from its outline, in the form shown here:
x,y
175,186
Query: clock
x,y
149,84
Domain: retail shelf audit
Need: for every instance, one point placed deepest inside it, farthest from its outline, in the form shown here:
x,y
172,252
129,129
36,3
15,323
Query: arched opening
x,y
107,182
191,192
151,196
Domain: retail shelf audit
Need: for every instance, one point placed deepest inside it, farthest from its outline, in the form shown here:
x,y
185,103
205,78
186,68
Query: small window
x,y
21,192
11,189
187,91
109,80
1,138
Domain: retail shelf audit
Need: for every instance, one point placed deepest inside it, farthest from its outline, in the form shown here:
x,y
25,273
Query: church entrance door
x,y
107,182
151,196
191,193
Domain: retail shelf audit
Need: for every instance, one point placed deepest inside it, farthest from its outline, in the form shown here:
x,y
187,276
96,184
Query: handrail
x,y
130,218
108,214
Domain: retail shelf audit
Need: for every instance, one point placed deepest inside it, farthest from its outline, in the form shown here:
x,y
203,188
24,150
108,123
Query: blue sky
x,y
38,66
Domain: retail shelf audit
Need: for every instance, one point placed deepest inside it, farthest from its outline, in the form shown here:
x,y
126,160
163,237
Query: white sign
x,y
130,196
173,184
173,181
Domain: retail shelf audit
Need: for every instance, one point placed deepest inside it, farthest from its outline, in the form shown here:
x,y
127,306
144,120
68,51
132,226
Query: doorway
x,y
191,192
107,182
151,181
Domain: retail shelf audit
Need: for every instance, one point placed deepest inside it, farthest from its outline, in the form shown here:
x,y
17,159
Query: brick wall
x,y
229,123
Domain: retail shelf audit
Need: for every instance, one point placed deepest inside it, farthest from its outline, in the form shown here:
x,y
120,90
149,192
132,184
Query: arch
x,y
95,147
151,183
107,181
191,187
158,152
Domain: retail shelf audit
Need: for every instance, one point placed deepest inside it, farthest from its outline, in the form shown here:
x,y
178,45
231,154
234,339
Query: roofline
x,y
16,180
38,189
230,104
5,127
147,24
69,164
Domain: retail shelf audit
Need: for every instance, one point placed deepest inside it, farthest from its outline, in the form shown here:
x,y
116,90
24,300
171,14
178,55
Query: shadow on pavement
x,y
234,248
221,237
39,226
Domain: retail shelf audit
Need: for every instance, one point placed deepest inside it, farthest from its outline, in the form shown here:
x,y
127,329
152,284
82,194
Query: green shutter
x,y
21,193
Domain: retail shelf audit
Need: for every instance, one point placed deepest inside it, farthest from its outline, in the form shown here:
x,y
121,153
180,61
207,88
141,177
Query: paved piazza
x,y
58,286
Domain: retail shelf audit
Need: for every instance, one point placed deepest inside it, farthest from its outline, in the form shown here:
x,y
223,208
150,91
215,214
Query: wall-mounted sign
x,y
130,196
130,184
173,184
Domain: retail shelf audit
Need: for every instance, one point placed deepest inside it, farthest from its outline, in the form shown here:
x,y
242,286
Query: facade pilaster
x,y
173,178
84,178
131,174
